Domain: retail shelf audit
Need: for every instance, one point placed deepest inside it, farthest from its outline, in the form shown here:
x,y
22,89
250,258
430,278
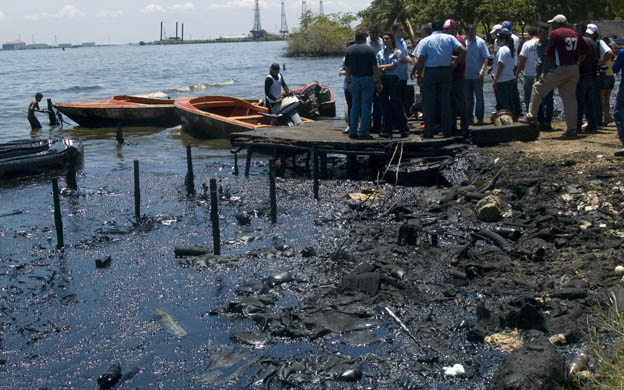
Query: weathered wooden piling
x,y
58,221
189,180
119,136
214,217
248,161
137,192
236,163
315,171
70,177
272,196
51,114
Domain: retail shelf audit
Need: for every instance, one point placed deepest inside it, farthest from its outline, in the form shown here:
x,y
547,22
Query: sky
x,y
124,21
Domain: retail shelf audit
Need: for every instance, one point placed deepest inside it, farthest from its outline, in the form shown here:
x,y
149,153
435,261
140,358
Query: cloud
x,y
154,8
67,12
109,14
182,7
247,4
157,8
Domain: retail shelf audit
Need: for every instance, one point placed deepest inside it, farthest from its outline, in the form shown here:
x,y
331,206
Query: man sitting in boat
x,y
273,89
34,106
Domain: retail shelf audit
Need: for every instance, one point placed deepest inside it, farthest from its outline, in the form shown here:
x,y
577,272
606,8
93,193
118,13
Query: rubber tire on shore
x,y
491,135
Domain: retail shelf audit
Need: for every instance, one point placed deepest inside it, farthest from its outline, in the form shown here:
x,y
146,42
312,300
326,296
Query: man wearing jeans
x,y
618,115
477,55
527,62
568,49
361,69
435,55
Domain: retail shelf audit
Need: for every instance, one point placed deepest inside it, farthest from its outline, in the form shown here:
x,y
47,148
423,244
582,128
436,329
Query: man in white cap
x,y
566,49
606,55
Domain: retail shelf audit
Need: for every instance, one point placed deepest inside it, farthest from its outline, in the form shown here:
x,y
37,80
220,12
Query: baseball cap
x,y
558,19
591,29
507,25
449,23
495,28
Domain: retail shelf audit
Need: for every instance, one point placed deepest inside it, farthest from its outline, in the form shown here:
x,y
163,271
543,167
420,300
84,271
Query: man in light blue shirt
x,y
435,54
477,55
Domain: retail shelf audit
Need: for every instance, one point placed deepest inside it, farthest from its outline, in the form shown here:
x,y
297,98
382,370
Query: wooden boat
x,y
122,111
26,157
220,116
315,93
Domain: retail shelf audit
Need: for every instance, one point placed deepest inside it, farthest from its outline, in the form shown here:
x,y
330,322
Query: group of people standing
x,y
450,70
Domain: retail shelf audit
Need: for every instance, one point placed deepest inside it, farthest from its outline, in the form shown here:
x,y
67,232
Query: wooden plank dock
x,y
327,137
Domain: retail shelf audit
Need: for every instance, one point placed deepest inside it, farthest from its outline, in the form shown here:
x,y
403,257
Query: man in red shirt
x,y
566,50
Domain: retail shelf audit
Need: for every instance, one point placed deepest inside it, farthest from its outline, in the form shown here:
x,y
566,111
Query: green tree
x,y
321,35
385,13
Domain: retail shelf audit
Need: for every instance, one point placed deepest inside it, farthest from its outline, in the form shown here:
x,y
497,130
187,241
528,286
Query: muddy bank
x,y
308,302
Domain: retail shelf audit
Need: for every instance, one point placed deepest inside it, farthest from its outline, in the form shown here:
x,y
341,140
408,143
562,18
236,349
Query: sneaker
x,y
346,131
569,134
365,136
528,120
374,130
353,136
619,153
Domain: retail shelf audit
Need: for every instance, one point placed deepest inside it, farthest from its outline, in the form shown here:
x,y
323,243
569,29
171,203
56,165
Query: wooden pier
x,y
326,137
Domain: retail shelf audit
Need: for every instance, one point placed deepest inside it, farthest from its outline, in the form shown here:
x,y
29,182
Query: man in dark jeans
x,y
361,70
435,55
587,83
457,84
544,115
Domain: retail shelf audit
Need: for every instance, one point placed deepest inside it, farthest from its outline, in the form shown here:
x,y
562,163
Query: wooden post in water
x,y
70,177
58,222
315,171
214,217
189,180
272,195
236,163
323,157
248,161
137,192
51,115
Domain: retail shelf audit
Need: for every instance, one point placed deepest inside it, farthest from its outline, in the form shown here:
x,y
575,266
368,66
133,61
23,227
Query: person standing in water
x,y
273,85
32,108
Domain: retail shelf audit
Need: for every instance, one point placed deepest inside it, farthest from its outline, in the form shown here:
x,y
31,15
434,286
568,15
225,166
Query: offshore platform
x,y
257,32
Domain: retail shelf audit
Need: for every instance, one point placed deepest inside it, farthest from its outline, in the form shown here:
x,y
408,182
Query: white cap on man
x,y
496,28
591,29
560,19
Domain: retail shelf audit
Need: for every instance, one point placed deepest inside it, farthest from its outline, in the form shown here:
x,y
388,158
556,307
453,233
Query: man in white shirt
x,y
527,62
606,54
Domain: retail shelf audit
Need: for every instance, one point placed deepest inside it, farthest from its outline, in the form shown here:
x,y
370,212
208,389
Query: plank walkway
x,y
327,137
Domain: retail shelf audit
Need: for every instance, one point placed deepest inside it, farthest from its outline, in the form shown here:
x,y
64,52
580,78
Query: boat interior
x,y
240,112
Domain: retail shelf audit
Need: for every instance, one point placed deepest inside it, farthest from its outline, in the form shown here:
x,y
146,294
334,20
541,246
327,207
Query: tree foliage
x,y
321,35
486,12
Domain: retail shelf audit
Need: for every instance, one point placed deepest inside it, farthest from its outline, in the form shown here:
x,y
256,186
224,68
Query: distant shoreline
x,y
217,40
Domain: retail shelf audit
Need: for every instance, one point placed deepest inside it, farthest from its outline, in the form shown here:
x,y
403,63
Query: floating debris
x,y
170,324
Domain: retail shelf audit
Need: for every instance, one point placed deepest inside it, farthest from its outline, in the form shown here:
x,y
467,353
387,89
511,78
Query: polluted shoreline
x,y
372,286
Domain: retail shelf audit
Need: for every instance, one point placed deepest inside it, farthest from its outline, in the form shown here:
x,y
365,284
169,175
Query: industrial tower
x,y
321,13
303,7
284,29
257,31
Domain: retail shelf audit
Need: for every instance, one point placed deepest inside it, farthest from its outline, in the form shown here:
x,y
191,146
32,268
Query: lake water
x,y
234,69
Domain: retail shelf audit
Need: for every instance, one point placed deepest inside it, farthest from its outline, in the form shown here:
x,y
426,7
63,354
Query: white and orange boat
x,y
220,116
122,111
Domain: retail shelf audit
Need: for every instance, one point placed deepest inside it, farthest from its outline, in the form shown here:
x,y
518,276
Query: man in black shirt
x,y
361,69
